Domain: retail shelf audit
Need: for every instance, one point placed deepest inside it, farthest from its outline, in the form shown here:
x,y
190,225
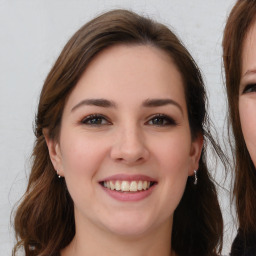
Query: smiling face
x,y
125,145
247,98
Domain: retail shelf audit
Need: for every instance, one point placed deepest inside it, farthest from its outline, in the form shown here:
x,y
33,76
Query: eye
x,y
161,120
95,120
249,88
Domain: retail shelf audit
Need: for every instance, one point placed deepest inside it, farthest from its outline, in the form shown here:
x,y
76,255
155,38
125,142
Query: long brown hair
x,y
44,221
239,21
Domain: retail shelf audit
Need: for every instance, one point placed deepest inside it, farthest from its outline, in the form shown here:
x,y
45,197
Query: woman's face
x,y
247,98
125,146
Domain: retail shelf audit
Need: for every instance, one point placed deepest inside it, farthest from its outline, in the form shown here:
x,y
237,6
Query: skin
x,y
129,139
247,97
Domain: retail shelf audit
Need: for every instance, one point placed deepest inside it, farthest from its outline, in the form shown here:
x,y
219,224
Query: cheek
x,y
174,164
81,159
81,156
247,111
175,154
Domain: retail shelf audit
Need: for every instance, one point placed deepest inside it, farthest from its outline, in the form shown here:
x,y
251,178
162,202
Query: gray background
x,y
32,34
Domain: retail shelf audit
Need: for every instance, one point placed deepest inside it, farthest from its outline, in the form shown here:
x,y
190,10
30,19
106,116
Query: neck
x,y
95,241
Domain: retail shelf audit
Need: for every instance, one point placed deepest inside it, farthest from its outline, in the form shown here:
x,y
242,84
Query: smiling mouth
x,y
128,186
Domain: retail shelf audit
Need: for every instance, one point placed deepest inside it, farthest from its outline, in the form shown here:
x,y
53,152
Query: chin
x,y
130,232
130,227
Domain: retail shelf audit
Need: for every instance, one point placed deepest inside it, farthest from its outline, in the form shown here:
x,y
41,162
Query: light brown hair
x,y
239,22
44,221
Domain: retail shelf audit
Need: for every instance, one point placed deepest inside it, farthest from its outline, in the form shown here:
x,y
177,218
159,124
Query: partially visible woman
x,y
118,168
239,57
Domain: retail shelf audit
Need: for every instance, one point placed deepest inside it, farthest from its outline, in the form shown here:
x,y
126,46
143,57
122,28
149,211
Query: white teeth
x,y
112,185
133,186
117,186
144,185
126,186
140,185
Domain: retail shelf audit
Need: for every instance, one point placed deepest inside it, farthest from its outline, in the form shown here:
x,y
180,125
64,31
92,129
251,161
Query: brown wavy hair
x,y
239,22
44,221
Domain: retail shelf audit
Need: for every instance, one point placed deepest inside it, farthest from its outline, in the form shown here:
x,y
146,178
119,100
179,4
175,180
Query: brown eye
x,y
249,88
95,120
161,120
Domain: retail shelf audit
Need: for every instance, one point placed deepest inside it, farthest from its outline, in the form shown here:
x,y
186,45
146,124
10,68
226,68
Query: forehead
x,y
131,72
249,50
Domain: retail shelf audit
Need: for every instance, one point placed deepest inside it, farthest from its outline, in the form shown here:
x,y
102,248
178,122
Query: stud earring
x,y
195,181
58,174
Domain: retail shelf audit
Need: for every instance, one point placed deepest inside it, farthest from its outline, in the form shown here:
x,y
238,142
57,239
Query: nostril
x,y
139,159
129,159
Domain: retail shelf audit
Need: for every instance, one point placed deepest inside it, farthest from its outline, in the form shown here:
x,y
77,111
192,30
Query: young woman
x,y
119,163
239,55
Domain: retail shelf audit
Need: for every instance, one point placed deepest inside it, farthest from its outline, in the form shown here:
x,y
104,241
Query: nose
x,y
129,146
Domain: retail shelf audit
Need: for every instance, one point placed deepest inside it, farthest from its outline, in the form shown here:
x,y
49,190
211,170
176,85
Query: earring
x,y
58,174
195,181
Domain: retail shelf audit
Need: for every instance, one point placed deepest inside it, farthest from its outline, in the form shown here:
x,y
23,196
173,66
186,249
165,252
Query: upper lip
x,y
128,177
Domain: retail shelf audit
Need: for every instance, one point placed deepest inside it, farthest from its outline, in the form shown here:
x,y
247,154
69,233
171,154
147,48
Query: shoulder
x,y
244,244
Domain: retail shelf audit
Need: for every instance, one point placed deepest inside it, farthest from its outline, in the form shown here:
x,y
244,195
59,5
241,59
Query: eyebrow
x,y
95,102
160,103
110,104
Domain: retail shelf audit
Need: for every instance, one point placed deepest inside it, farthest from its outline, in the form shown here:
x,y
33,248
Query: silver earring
x,y
58,174
195,181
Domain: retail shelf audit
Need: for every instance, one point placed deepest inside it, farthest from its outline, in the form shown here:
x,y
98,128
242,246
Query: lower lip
x,y
129,196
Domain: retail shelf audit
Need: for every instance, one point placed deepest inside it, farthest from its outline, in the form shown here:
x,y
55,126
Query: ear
x,y
54,152
195,153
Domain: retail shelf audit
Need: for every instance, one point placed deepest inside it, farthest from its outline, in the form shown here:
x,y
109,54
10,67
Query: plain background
x,y
32,34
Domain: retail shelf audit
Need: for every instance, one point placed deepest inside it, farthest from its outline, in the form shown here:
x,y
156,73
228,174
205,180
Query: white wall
x,y
32,34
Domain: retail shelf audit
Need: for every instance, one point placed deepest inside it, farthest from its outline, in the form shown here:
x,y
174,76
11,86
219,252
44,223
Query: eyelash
x,y
249,88
93,120
166,120
95,117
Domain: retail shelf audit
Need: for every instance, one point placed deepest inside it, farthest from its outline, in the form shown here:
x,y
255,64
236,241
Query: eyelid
x,y
248,87
171,121
94,116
